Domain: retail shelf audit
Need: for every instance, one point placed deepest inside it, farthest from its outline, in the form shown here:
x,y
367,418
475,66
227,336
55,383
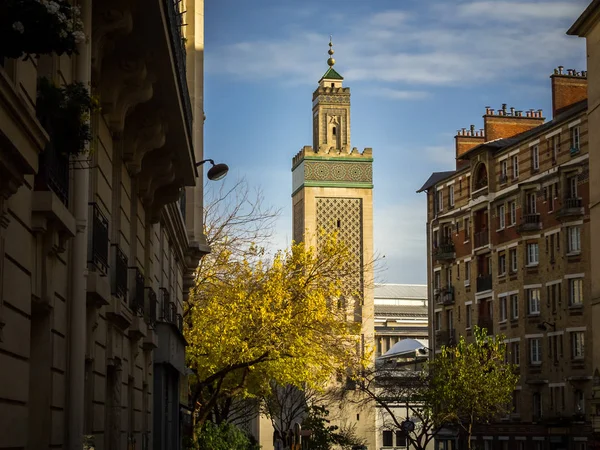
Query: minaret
x,y
332,189
331,110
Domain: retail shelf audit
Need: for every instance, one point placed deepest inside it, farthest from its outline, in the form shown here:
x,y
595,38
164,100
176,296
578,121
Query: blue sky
x,y
418,71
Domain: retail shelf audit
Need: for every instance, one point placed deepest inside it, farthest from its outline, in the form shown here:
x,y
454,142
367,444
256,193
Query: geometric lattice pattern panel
x,y
338,171
345,216
298,231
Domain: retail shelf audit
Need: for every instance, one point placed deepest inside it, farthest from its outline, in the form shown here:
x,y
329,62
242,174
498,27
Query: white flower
x,y
62,34
52,7
61,17
18,26
79,37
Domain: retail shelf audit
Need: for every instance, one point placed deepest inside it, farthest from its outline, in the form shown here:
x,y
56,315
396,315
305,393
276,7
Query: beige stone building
x,y
97,250
588,26
508,238
333,190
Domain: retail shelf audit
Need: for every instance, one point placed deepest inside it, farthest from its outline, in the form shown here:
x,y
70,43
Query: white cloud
x,y
443,156
473,42
398,94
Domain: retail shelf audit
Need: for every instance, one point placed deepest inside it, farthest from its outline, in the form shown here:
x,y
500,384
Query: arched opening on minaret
x,y
334,130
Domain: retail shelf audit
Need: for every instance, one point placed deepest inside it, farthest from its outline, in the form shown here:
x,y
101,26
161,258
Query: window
x,y
537,412
503,171
572,187
388,438
515,167
502,306
501,217
438,321
516,353
513,212
514,306
467,273
535,158
574,139
533,254
553,292
575,292
533,301
573,239
502,263
450,319
451,196
577,345
579,398
514,264
535,351
440,200
400,438
469,316
437,280
531,199
449,276
467,228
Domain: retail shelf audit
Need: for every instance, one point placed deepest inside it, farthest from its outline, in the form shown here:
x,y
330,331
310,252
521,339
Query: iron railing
x,y
482,238
175,24
445,337
573,202
165,308
150,307
444,251
445,296
98,239
503,178
530,222
179,322
487,323
119,273
484,283
137,297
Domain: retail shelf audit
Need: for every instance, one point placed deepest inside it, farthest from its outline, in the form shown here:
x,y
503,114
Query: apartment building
x,y
588,26
98,248
508,239
400,313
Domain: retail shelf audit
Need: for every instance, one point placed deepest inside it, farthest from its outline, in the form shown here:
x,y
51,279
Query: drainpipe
x,y
77,304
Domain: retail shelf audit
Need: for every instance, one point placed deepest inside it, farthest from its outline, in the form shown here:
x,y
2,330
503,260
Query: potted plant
x,y
64,111
36,27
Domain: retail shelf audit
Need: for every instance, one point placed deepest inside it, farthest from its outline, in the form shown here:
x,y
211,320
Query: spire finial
x,y
330,61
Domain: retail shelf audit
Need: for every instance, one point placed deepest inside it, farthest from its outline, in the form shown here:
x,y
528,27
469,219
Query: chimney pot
x,y
512,111
504,107
560,69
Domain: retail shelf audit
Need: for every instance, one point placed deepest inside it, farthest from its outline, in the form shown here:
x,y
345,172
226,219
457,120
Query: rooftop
x,y
331,74
401,291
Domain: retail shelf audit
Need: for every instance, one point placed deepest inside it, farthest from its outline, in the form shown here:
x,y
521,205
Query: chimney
x,y
567,88
505,125
465,141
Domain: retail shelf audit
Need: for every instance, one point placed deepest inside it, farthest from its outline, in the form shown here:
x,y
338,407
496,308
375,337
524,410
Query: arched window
x,y
334,130
332,84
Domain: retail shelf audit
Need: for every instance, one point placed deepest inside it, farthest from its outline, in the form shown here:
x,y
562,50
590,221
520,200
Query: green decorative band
x,y
338,171
333,184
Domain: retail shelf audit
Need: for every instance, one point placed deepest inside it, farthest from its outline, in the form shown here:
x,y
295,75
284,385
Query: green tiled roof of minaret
x,y
331,74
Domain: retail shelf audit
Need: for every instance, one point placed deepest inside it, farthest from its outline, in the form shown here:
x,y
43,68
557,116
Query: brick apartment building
x,y
508,250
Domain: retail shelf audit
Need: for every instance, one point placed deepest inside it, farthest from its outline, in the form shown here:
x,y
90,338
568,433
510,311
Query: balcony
x,y
150,307
530,222
98,240
445,338
445,251
165,306
119,273
484,283
572,206
482,238
137,296
445,296
487,323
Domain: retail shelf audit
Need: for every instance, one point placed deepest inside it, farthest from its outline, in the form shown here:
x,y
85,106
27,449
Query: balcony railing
x,y
445,337
487,323
53,173
119,273
165,306
445,251
573,206
179,55
98,239
179,322
482,238
150,306
484,283
503,178
445,296
530,222
137,297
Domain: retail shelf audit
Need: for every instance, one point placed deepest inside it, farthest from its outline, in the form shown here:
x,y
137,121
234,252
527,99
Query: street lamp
x,y
217,171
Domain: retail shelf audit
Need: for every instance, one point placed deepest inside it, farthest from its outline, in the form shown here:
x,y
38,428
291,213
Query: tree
x,y
324,436
261,320
471,384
